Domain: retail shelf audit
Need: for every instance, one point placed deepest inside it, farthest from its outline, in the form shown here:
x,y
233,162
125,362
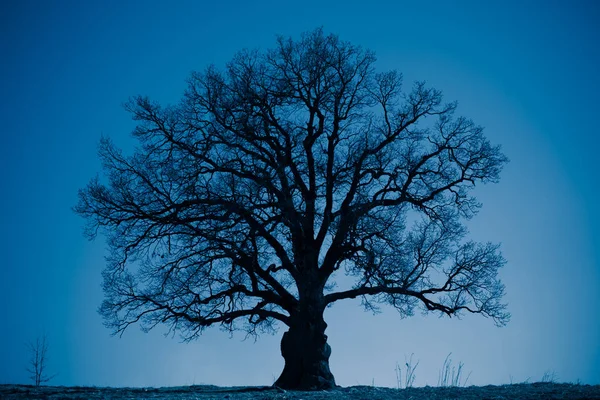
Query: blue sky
x,y
527,71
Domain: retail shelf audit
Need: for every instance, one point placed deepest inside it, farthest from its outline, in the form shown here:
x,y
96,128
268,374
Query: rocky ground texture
x,y
537,391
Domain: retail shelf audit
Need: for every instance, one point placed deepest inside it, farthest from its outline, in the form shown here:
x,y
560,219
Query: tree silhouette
x,y
244,199
38,362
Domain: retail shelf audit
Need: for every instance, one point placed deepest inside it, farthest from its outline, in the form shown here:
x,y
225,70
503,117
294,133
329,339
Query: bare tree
x,y
244,200
38,361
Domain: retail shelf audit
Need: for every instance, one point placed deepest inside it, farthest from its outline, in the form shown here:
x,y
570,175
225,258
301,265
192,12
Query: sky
x,y
525,70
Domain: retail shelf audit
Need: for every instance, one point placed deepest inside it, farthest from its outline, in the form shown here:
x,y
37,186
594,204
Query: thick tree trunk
x,y
306,352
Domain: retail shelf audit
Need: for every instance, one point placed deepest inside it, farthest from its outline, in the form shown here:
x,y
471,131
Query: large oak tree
x,y
244,199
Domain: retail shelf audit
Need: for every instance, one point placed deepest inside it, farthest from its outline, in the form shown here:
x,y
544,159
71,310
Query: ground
x,y
537,391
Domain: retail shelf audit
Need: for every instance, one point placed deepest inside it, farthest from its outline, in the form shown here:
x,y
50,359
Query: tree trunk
x,y
306,352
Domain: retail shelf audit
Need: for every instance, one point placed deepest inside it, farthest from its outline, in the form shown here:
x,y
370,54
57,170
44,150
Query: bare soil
x,y
537,391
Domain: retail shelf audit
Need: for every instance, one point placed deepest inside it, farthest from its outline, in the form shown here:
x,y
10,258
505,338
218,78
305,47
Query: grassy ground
x,y
537,391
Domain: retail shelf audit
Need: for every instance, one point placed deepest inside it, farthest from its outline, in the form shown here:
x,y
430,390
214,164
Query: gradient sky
x,y
527,71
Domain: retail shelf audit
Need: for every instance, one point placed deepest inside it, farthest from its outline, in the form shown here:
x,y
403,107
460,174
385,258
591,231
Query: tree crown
x,y
291,164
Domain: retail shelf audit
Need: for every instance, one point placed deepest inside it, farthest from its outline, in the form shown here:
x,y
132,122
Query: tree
x,y
38,361
245,198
